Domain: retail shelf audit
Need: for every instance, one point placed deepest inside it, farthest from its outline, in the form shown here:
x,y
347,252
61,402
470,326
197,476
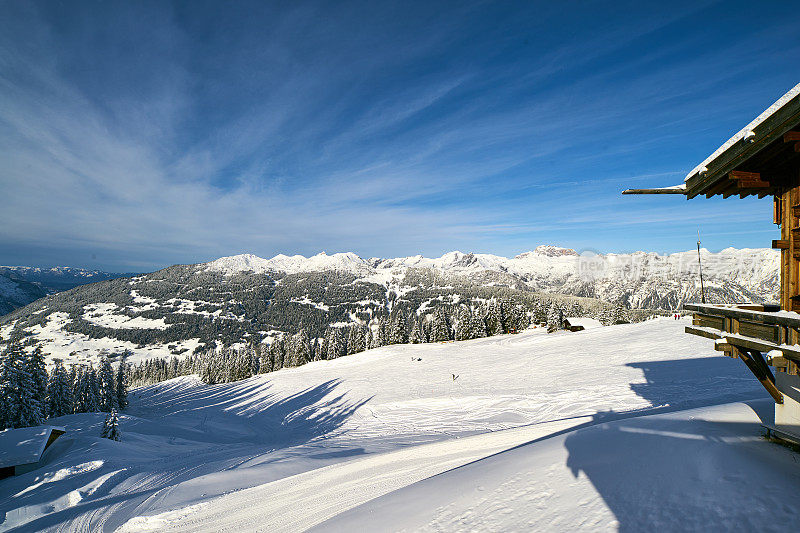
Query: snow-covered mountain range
x,y
245,298
21,285
637,280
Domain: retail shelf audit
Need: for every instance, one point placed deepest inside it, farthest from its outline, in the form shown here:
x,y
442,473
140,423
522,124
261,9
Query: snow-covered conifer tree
x,y
494,319
416,332
337,345
355,339
22,407
555,318
477,325
121,381
440,328
108,393
111,426
34,365
397,329
463,325
58,392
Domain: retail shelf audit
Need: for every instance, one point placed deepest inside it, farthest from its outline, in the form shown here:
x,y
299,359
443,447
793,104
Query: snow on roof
x,y
747,130
587,323
24,445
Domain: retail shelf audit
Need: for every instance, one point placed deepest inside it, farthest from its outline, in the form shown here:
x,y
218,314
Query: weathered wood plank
x,y
791,136
756,316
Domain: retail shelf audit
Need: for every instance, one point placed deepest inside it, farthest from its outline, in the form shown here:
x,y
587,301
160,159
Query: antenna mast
x,y
700,263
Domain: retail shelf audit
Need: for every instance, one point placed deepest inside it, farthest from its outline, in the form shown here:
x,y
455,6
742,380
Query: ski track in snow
x,y
288,450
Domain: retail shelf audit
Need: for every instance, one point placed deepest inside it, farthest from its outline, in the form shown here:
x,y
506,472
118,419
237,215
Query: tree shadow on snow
x,y
243,412
240,421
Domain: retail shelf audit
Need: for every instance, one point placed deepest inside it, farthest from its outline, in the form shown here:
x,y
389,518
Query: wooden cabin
x,y
572,323
763,159
24,449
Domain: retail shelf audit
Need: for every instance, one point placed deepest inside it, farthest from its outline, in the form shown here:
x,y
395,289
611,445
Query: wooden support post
x,y
755,362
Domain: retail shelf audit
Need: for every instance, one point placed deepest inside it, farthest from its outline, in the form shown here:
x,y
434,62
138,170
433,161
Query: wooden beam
x,y
754,361
741,175
700,331
791,136
780,244
748,180
662,190
752,184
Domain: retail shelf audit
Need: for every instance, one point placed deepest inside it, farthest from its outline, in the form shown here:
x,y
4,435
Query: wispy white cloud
x,y
267,143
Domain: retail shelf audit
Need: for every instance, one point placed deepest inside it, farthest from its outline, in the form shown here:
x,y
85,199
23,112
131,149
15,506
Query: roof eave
x,y
771,128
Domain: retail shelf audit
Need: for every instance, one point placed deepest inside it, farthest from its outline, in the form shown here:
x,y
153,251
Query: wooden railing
x,y
748,332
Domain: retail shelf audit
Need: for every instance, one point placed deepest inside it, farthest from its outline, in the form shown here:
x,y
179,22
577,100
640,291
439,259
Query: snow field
x,y
291,449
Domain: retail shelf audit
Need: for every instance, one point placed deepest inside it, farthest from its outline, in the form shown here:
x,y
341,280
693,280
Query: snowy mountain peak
x,y
552,251
639,279
348,262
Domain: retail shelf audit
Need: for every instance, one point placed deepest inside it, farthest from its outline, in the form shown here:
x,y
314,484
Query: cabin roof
x,y
25,445
758,159
586,322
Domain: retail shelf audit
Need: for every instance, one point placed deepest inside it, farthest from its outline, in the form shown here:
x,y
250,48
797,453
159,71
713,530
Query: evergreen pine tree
x,y
8,382
301,348
121,381
463,327
108,393
337,346
278,352
397,329
21,406
416,336
58,392
34,365
440,329
355,339
111,426
477,325
494,319
555,318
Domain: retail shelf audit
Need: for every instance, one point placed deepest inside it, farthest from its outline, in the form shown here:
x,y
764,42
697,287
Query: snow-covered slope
x,y
289,450
15,292
685,471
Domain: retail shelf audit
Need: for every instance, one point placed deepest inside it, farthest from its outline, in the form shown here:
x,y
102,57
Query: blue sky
x,y
134,135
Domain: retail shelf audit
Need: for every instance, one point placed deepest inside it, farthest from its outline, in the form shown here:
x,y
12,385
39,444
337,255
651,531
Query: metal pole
x,y
700,263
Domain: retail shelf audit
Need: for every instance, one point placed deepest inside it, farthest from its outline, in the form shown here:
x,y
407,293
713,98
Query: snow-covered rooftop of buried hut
x,y
24,445
794,91
585,322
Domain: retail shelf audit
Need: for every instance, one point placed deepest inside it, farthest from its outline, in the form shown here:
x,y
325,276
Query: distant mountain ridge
x,y
636,280
248,299
15,292
21,285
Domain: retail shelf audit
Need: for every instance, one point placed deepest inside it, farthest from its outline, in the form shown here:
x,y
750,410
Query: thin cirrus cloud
x,y
139,135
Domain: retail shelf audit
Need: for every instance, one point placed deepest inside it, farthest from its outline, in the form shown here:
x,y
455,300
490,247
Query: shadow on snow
x,y
175,432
